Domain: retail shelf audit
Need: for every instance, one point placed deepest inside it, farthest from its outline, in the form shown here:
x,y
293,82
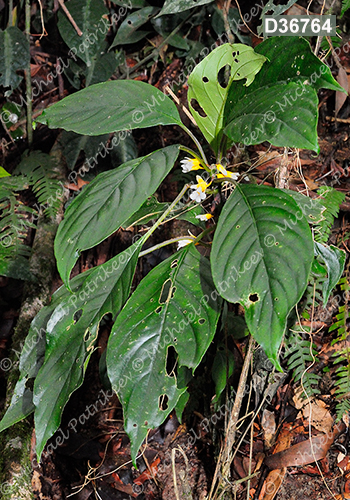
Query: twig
x,y
225,12
74,24
226,456
28,80
184,109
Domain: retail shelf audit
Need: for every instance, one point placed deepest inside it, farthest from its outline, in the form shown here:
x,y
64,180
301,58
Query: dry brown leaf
x,y
306,452
268,424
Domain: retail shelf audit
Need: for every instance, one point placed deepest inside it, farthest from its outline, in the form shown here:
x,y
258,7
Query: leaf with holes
x,y
281,105
261,257
71,335
107,202
169,321
109,107
209,82
88,15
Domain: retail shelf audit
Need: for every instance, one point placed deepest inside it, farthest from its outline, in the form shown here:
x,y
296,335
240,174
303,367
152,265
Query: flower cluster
x,y
198,190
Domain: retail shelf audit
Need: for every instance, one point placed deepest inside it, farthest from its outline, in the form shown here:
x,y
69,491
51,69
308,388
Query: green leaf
x,y
345,7
107,203
72,144
4,173
14,55
128,28
207,91
112,106
261,257
172,308
88,16
71,335
312,208
334,258
280,106
223,366
175,6
150,210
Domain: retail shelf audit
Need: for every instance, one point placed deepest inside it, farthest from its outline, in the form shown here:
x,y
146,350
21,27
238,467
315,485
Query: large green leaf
x,y
175,305
105,204
261,257
208,90
71,334
14,55
175,6
280,106
112,106
88,16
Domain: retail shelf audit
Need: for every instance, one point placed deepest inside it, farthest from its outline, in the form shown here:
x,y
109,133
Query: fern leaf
x,y
40,169
299,359
331,200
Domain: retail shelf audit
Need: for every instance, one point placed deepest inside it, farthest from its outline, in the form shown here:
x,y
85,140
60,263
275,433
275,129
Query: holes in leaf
x,y
205,79
195,105
276,243
158,310
171,362
173,290
134,425
87,335
77,315
276,299
129,22
238,226
201,321
145,423
234,54
174,264
163,402
224,76
164,294
254,297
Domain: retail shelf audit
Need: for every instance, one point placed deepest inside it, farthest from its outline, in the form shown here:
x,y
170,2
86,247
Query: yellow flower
x,y
198,194
189,164
204,217
225,173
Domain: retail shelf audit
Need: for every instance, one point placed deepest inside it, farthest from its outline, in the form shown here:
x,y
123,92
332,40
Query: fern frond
x,y
342,408
40,170
15,221
331,200
299,359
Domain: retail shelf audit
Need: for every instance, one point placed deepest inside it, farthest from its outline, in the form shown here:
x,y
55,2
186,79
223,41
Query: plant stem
x,y
163,216
28,80
10,13
196,141
221,478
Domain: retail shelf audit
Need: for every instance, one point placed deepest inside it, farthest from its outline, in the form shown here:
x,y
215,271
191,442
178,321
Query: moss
x,y
15,465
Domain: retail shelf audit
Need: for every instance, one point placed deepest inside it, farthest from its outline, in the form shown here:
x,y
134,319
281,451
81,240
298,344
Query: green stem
x,y
28,80
166,213
196,141
164,244
10,13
